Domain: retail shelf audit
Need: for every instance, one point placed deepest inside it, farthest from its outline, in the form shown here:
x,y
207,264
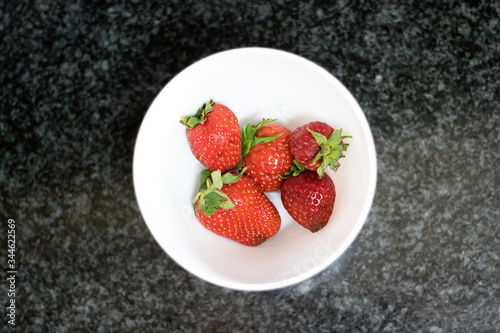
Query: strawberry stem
x,y
200,116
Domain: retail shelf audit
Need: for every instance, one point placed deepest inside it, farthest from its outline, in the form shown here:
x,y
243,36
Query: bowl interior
x,y
255,83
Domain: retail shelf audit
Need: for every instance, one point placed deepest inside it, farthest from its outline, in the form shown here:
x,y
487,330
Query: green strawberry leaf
x,y
229,178
224,201
336,136
196,198
331,150
249,140
334,165
212,199
264,139
320,138
295,170
204,175
217,179
245,147
209,203
210,196
200,116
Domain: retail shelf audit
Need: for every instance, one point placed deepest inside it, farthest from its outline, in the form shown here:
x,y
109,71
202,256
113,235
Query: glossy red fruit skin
x,y
265,162
309,199
254,219
304,146
216,143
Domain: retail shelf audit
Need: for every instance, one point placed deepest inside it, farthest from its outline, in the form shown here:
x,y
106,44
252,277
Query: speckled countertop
x,y
78,77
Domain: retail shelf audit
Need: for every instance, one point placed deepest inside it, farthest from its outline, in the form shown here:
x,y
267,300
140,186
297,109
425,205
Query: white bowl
x,y
255,83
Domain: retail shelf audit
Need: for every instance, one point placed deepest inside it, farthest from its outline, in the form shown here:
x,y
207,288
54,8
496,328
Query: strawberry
x,y
316,146
235,207
266,153
214,136
309,199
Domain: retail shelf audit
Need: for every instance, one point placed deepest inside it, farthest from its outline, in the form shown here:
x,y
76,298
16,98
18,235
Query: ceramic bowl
x,y
255,83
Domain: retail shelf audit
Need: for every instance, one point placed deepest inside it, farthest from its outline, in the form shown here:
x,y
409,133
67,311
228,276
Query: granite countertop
x,y
77,79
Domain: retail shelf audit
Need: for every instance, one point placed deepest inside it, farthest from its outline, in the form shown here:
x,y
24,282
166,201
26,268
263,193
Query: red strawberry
x,y
235,207
266,154
214,136
316,146
309,199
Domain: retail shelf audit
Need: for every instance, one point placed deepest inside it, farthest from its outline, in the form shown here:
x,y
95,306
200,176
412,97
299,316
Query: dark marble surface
x,y
77,78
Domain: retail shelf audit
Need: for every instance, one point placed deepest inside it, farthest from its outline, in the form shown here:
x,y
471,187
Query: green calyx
x,y
200,116
295,170
249,140
210,195
331,150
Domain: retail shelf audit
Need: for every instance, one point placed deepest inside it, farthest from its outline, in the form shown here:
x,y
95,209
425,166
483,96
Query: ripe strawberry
x,y
235,207
316,146
266,154
309,199
214,136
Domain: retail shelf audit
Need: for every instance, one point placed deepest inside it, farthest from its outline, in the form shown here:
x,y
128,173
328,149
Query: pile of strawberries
x,y
243,164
